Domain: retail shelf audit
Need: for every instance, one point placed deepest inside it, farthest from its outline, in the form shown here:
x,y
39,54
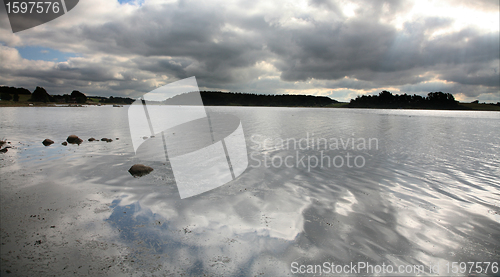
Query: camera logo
x,y
205,149
28,14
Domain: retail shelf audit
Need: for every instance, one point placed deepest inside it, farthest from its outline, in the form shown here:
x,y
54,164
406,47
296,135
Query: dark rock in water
x,y
144,138
47,142
138,170
64,143
104,139
74,139
109,140
91,139
117,138
4,150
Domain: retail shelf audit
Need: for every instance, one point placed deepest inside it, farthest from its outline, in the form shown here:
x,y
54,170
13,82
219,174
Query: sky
x,y
335,48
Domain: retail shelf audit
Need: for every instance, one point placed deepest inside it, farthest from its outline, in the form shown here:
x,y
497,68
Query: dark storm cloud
x,y
332,52
190,32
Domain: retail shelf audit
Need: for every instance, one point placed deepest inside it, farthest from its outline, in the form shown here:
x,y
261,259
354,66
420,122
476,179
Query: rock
x,y
91,139
64,143
104,139
138,170
47,142
117,138
74,139
4,150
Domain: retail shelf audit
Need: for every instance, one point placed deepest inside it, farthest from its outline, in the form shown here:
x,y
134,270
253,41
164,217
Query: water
x,y
426,192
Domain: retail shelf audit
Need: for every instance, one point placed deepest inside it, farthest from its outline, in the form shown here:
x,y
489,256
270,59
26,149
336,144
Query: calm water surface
x,y
425,192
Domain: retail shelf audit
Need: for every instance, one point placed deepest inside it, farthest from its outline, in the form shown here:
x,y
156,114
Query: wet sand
x,y
428,194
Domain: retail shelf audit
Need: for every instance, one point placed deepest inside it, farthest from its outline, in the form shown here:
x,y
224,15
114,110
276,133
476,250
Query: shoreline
x,y
341,105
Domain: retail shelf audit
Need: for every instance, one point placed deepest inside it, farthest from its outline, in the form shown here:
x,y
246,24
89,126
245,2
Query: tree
x,y
439,99
40,95
80,97
16,97
12,90
5,96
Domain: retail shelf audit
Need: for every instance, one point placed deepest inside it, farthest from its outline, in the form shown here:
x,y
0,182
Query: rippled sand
x,y
428,194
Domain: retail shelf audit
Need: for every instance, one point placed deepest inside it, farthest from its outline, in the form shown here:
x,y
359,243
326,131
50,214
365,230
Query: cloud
x,y
261,47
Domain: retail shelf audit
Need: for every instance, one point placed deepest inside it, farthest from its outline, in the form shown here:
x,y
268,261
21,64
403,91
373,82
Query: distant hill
x,y
218,98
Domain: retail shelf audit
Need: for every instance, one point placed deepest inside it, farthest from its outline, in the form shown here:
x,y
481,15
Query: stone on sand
x,y
74,139
47,142
138,170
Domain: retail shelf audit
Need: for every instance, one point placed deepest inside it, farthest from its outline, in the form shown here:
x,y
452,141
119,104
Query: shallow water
x,y
425,192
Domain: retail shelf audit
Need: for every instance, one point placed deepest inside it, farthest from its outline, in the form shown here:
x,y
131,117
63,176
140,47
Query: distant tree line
x,y
117,100
385,99
218,98
41,95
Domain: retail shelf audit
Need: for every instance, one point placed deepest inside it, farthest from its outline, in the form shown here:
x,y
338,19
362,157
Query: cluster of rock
x,y
74,139
137,170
